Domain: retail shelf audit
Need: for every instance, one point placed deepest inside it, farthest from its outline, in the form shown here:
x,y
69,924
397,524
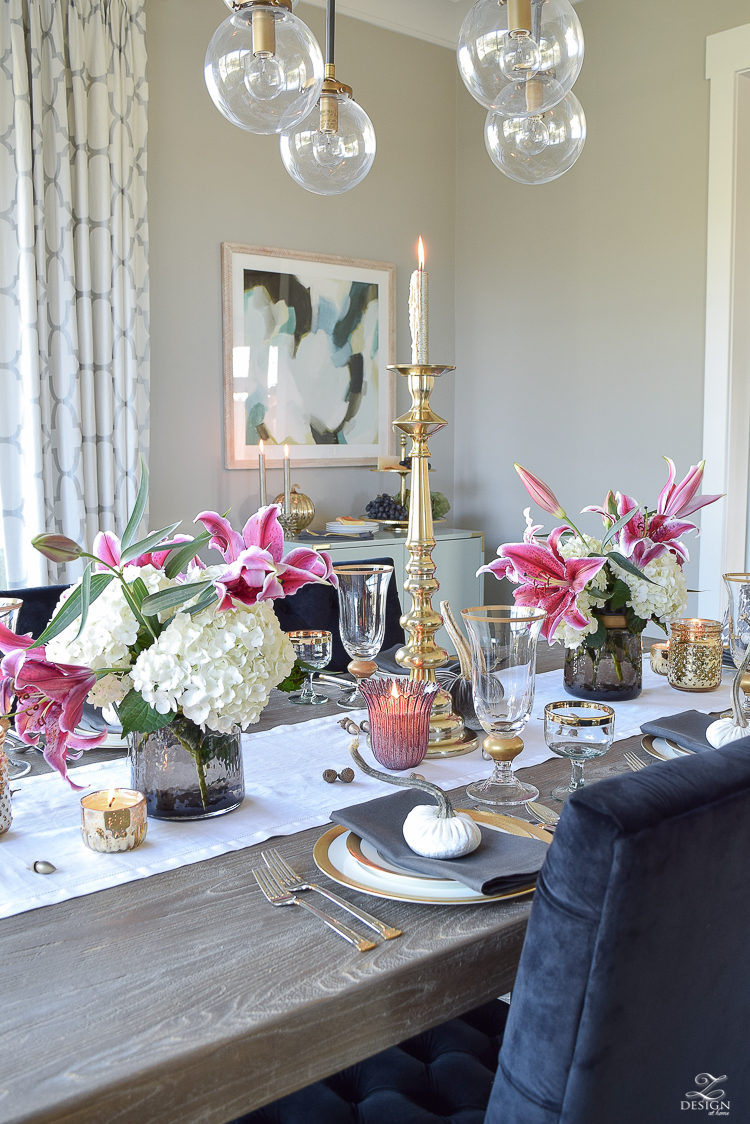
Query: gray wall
x,y
210,182
580,304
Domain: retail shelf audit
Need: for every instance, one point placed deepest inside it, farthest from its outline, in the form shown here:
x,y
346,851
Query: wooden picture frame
x,y
307,340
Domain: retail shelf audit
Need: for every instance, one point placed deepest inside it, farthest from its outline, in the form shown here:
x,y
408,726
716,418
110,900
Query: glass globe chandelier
x,y
519,59
333,150
505,43
537,149
264,68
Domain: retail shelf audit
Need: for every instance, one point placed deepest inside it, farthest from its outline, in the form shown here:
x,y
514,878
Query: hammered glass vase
x,y
610,673
186,773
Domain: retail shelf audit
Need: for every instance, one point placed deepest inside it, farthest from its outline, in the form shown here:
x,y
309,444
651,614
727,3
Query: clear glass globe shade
x,y
519,57
516,147
330,163
484,50
233,5
264,94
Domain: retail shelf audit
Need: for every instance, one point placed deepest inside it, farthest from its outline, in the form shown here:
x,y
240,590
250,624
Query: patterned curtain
x,y
74,365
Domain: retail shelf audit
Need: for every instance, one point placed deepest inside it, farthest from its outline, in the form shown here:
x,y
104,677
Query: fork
x,y
289,880
277,896
634,762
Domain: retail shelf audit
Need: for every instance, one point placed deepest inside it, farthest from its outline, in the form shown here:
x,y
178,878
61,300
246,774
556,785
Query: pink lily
x,y
50,700
547,580
107,548
540,492
676,501
257,568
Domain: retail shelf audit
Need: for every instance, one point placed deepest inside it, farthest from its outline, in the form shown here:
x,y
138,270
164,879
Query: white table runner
x,y
285,794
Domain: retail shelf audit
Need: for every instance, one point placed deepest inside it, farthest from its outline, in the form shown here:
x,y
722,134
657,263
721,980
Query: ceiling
x,y
437,21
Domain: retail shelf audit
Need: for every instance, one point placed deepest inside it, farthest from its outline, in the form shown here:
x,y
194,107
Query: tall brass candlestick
x,y
448,735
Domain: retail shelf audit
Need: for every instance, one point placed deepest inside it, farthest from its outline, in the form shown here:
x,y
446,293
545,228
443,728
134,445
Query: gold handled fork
x,y
289,880
634,762
277,896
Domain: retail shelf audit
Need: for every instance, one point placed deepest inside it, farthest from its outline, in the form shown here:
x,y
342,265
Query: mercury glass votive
x,y
695,655
398,714
113,820
660,658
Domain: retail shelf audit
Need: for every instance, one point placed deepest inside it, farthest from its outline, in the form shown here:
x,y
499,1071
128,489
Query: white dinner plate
x,y
662,749
333,858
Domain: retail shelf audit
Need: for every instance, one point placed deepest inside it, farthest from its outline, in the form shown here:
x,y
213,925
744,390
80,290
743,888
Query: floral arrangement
x,y
152,633
635,569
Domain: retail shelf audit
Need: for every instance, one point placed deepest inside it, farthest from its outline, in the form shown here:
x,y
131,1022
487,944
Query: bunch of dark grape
x,y
385,507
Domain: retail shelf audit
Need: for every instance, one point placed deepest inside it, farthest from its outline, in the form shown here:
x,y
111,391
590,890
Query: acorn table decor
x,y
302,513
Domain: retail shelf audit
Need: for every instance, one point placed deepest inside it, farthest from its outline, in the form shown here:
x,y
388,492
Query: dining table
x,y
185,998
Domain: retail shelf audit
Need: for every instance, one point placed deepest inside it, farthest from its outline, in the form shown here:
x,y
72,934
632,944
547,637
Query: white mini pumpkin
x,y
431,833
724,731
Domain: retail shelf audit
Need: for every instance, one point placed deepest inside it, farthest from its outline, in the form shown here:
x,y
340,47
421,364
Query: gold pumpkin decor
x,y
303,509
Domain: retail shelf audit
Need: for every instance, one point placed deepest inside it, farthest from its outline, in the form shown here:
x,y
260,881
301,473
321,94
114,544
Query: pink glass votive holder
x,y
399,714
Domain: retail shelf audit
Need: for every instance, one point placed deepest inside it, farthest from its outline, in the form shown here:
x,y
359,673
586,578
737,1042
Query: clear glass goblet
x,y
581,731
503,668
738,611
362,596
313,650
9,609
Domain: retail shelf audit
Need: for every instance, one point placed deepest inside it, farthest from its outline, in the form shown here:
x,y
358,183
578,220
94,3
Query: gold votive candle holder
x,y
695,655
660,658
113,820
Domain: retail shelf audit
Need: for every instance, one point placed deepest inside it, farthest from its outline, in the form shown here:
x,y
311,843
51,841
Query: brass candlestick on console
x,y
448,735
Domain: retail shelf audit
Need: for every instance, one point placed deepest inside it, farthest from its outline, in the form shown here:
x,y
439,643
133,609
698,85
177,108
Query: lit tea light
x,y
113,820
399,720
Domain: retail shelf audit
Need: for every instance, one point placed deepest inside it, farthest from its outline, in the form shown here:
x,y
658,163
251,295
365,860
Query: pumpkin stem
x,y
738,716
412,781
454,631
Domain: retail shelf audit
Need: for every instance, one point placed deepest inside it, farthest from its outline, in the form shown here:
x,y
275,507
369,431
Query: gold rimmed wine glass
x,y
313,649
580,731
362,592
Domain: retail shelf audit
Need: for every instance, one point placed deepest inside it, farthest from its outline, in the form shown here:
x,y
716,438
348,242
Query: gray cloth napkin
x,y
500,863
688,730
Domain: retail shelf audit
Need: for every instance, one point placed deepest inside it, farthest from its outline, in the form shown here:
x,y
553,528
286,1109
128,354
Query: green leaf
x,y
619,596
204,601
596,639
636,624
139,590
620,523
628,566
183,554
71,610
294,680
137,716
143,546
138,509
167,599
85,598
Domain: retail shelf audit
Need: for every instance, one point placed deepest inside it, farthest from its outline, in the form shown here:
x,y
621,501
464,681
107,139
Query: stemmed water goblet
x,y
738,621
580,731
362,591
312,649
503,669
9,609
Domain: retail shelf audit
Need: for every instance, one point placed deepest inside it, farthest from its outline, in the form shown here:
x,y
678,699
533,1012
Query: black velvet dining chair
x,y
38,606
317,607
632,995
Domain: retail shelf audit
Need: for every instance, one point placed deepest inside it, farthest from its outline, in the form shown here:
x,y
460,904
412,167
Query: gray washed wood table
x,y
185,998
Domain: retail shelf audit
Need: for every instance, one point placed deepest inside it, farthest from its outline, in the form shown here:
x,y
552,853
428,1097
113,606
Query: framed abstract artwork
x,y
307,340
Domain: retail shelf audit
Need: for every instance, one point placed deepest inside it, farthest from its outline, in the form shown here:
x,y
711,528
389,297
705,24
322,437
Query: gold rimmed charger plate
x,y
647,742
506,823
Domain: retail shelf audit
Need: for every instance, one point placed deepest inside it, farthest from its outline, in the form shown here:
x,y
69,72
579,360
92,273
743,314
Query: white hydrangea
x,y
110,631
218,668
667,598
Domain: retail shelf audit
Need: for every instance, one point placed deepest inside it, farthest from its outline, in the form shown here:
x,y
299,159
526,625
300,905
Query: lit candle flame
x,y
395,694
261,446
111,796
421,253
286,450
